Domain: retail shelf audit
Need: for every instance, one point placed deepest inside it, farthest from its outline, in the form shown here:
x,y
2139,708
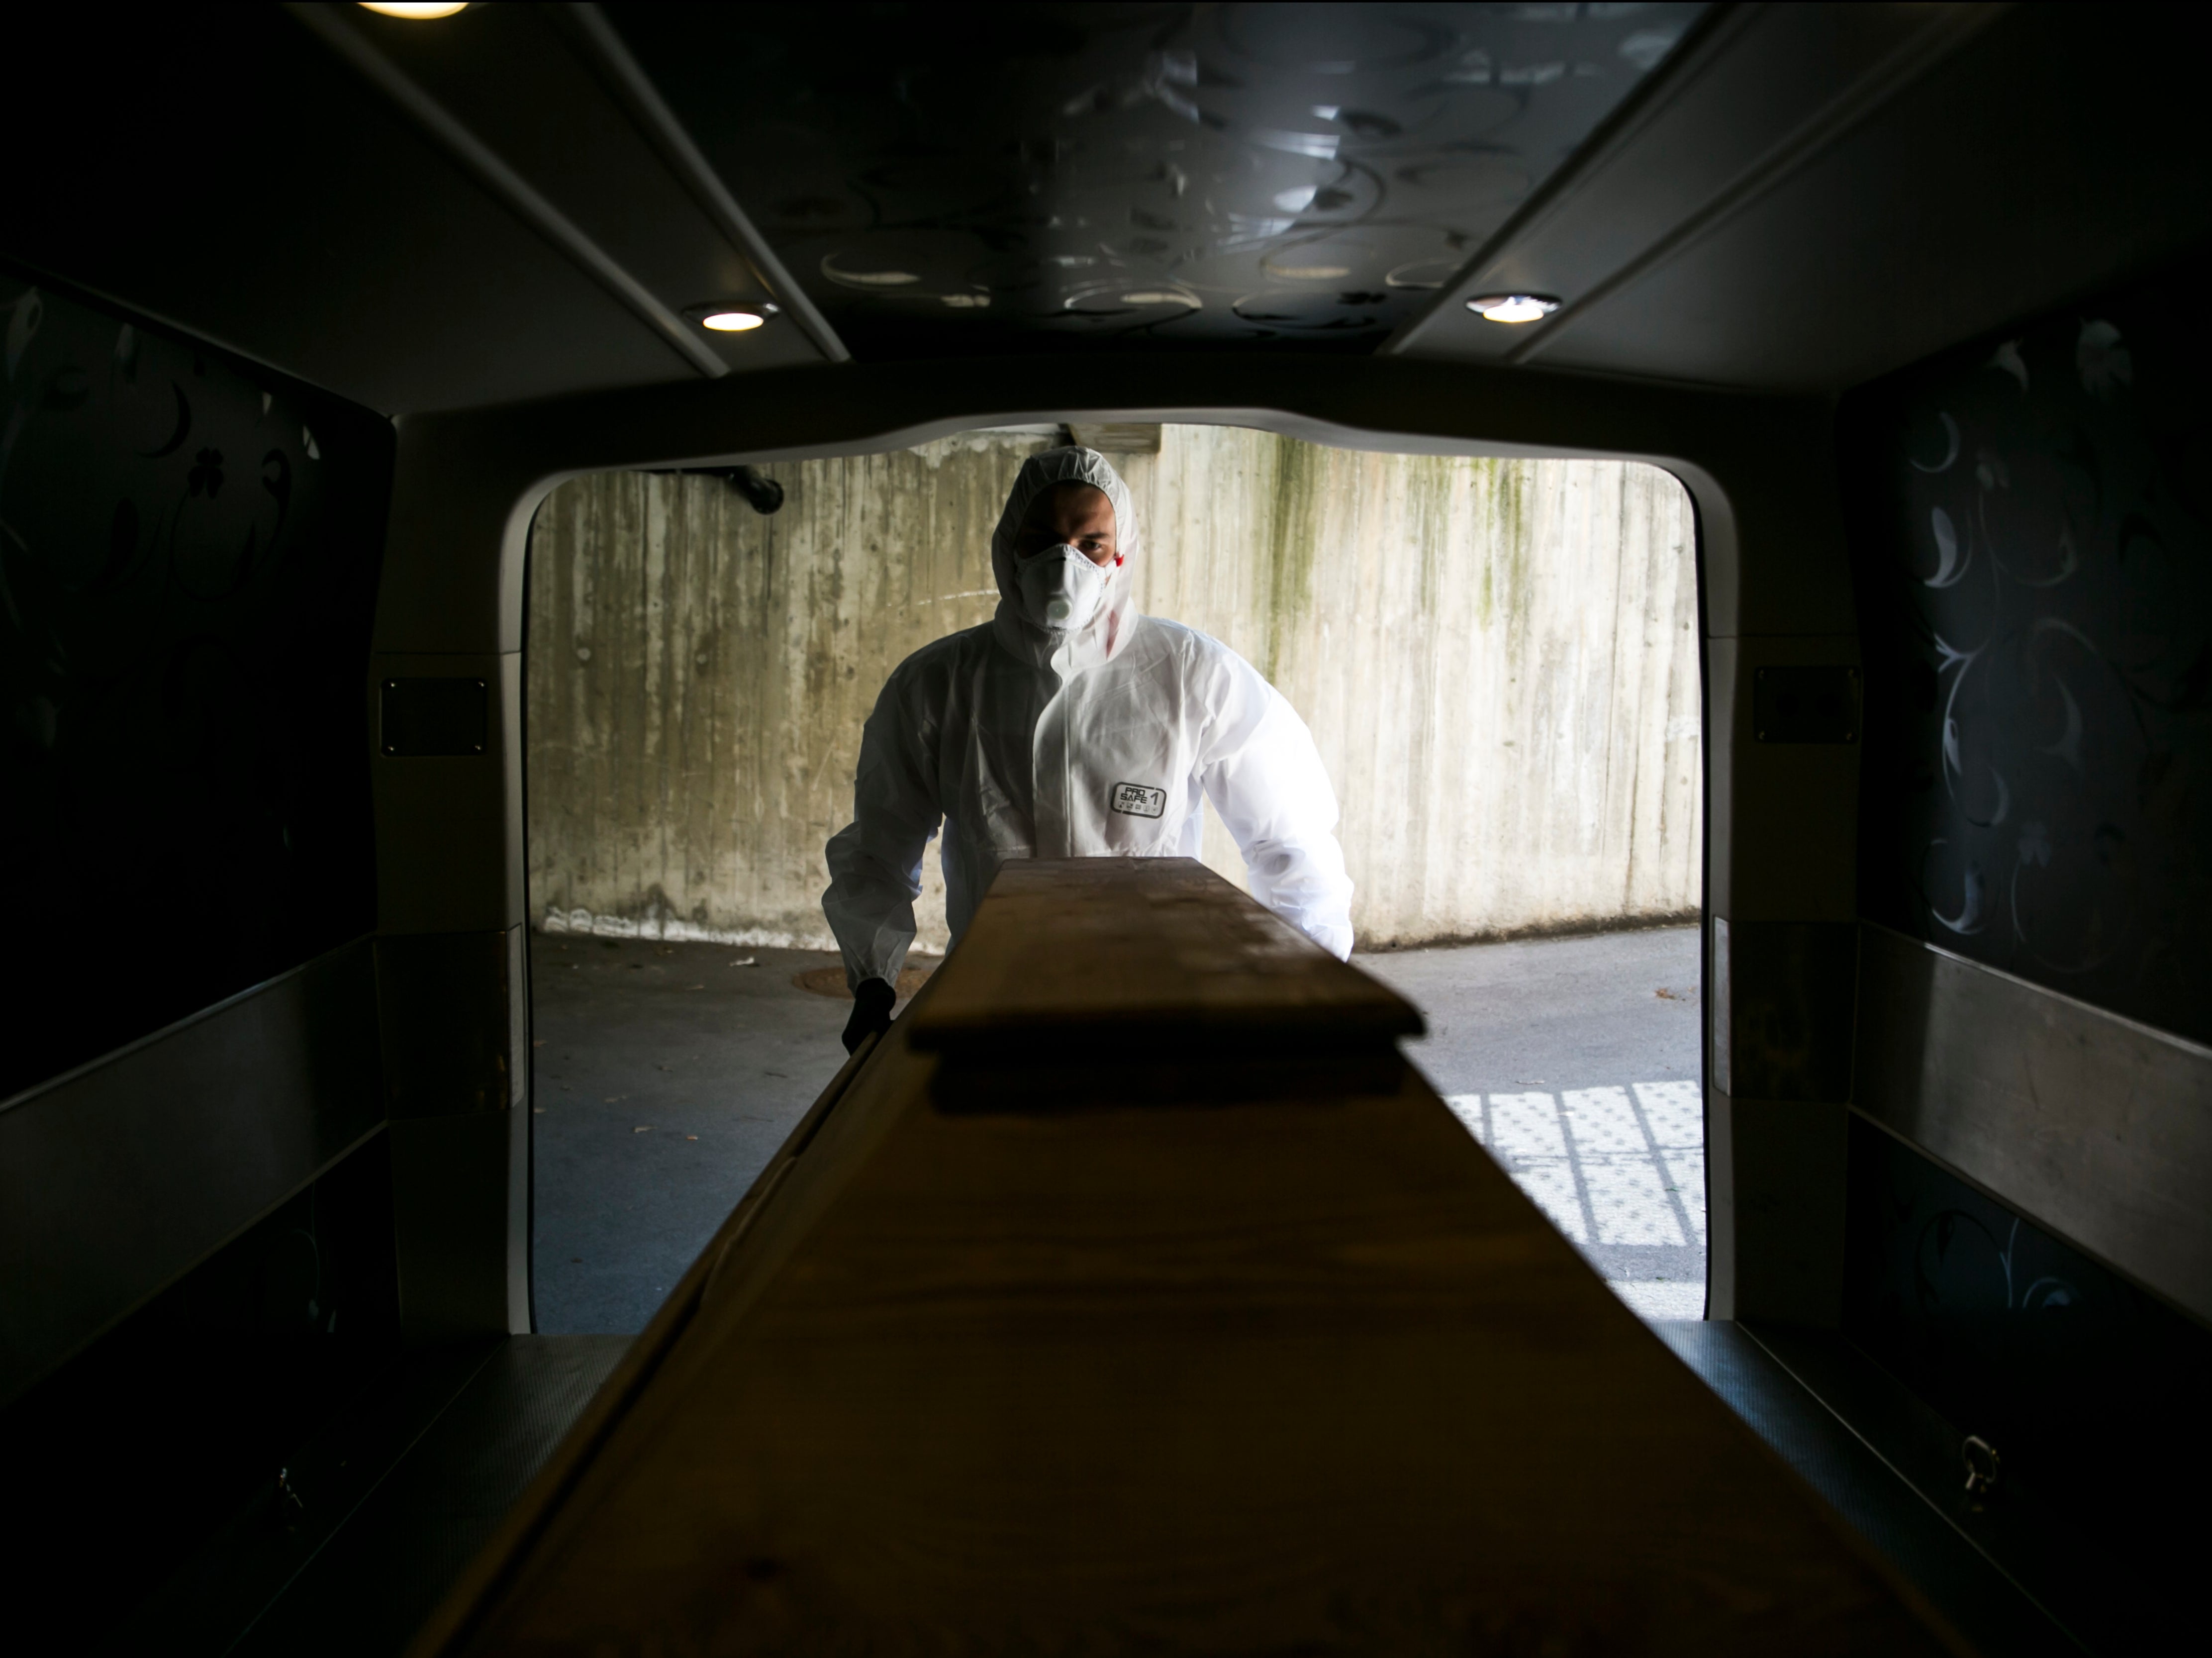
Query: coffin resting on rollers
x,y
1133,1293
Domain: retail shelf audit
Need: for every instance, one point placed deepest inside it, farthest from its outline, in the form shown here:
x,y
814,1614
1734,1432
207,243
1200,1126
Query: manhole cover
x,y
830,980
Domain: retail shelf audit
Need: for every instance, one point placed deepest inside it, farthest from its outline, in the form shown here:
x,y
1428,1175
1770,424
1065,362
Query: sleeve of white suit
x,y
875,861
1265,778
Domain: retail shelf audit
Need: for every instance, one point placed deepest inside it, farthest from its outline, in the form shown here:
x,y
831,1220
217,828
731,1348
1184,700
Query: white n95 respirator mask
x,y
1061,590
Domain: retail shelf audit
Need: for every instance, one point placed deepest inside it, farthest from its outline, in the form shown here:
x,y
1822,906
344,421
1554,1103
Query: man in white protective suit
x,y
1069,725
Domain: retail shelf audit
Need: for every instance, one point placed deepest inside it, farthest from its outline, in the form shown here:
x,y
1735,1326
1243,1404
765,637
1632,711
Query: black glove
x,y
872,1012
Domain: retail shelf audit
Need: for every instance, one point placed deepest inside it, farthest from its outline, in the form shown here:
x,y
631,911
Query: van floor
x,y
665,1075
668,1075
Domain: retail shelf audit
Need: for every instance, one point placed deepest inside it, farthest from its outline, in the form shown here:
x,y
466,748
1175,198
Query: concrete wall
x,y
1499,659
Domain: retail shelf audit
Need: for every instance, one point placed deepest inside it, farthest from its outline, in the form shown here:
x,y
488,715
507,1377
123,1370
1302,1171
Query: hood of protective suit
x,y
1108,633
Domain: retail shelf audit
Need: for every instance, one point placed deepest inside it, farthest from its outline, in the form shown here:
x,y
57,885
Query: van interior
x,y
1133,1290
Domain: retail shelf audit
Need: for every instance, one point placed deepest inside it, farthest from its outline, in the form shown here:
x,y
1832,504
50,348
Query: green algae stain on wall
x,y
1293,539
1431,483
1513,536
699,674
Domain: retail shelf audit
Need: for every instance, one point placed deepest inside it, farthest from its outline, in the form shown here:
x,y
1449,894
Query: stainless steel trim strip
x,y
63,1079
1710,39
685,159
2095,1126
1945,30
519,196
121,1177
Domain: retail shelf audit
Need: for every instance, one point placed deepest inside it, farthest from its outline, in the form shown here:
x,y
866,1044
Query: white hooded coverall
x,y
1093,744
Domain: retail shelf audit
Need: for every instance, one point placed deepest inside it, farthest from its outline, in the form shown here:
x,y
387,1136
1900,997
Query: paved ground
x,y
1576,1062
665,1077
667,1074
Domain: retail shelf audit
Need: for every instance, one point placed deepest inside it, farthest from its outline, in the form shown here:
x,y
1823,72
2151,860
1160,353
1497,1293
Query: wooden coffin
x,y
1134,1295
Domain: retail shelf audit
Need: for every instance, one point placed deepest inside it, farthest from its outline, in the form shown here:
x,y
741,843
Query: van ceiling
x,y
523,201
1301,176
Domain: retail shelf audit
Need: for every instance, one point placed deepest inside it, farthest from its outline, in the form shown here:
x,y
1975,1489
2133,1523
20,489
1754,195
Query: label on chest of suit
x,y
1135,800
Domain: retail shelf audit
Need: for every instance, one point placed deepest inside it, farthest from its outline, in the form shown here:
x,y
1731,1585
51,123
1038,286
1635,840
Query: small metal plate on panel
x,y
1805,705
423,717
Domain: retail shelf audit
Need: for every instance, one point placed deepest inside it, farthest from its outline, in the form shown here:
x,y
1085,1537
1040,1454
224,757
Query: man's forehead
x,y
1073,493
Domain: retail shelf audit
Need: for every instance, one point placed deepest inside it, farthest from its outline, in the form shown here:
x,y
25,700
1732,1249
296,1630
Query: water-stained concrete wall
x,y
1499,659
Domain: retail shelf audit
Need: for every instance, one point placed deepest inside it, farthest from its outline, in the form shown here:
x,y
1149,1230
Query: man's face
x,y
1077,514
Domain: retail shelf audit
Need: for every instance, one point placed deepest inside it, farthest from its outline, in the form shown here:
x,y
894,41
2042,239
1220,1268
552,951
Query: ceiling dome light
x,y
1513,307
426,11
734,320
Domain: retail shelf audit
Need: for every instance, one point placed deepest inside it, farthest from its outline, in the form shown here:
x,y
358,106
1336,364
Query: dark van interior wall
x,y
189,551
191,1416
2034,547
188,557
2037,597
2070,1372
196,1214
2028,1243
